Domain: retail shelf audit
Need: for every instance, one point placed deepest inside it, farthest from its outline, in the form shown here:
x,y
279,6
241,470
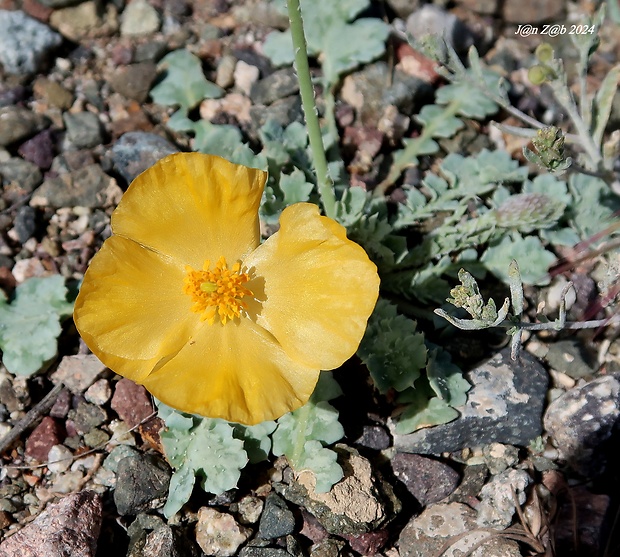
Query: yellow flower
x,y
184,299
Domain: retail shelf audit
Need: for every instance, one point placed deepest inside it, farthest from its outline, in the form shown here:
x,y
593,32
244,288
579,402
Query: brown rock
x,y
77,373
131,402
69,527
428,480
47,434
533,11
134,81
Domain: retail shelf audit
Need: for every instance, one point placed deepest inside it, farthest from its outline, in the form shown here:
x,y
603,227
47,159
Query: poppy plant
x,y
185,300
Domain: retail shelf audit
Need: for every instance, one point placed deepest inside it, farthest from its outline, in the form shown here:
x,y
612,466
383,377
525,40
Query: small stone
x,y
28,268
369,543
278,85
151,537
357,504
374,437
77,22
53,93
18,123
428,532
139,18
245,76
134,152
18,177
88,187
134,81
533,11
141,484
69,527
330,547
39,149
433,20
277,520
43,437
572,358
67,482
131,402
25,43
59,459
117,454
25,224
497,502
225,71
259,551
99,392
77,373
428,480
62,405
499,457
581,422
83,129
218,534
96,438
249,509
86,417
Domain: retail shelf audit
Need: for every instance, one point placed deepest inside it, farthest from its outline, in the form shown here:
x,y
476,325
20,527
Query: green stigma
x,y
208,286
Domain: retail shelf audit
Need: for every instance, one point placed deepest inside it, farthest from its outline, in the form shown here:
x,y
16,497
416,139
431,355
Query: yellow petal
x,y
237,372
319,288
131,303
193,207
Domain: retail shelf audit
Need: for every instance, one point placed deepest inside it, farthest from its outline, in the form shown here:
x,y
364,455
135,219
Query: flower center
x,y
217,292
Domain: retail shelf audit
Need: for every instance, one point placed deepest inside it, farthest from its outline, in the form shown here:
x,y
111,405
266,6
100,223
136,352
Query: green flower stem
x,y
307,100
303,414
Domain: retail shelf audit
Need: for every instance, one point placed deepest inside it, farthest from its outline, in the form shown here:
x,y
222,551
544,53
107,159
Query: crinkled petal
x,y
237,372
193,207
319,288
132,305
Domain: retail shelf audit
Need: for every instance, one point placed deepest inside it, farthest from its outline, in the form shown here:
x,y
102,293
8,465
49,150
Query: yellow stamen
x,y
218,292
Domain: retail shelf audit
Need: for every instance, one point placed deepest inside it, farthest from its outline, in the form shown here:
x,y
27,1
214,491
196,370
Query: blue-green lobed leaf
x,y
30,325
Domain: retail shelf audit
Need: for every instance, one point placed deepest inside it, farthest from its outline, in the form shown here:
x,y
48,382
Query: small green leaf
x,y
185,84
443,123
603,103
424,412
321,424
322,462
256,440
30,325
445,378
533,259
295,187
392,349
347,46
278,47
208,450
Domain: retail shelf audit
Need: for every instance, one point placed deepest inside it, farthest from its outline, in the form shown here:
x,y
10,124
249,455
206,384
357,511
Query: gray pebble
x,y
83,129
141,484
277,520
25,43
134,152
582,421
18,123
25,224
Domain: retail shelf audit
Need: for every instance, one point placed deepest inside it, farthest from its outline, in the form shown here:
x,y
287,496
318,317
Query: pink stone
x,y
47,434
131,402
69,527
